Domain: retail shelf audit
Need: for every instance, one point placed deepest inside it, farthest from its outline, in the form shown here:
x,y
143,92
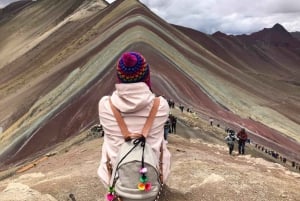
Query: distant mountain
x,y
276,36
13,8
296,34
57,59
269,50
219,34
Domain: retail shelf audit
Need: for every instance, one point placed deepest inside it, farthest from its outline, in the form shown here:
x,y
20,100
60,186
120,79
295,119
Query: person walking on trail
x,y
167,129
230,139
211,120
242,136
173,120
181,107
133,99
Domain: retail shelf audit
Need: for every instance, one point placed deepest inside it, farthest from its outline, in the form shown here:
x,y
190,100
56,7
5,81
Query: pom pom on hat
x,y
132,67
129,59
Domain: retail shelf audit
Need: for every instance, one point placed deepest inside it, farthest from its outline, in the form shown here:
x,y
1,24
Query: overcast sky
x,y
228,16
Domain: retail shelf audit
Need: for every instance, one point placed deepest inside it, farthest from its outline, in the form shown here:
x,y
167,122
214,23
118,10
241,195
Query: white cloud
x,y
228,16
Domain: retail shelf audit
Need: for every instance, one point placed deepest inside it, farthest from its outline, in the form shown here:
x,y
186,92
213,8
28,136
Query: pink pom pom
x,y
143,170
110,197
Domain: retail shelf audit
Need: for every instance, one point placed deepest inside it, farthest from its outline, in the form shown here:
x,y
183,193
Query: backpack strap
x,y
124,130
151,117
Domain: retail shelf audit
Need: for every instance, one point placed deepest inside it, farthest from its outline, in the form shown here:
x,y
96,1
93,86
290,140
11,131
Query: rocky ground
x,y
202,169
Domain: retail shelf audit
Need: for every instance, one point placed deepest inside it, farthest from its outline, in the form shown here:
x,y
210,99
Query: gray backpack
x,y
137,173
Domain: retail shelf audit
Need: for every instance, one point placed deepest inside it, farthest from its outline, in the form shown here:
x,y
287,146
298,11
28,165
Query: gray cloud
x,y
228,16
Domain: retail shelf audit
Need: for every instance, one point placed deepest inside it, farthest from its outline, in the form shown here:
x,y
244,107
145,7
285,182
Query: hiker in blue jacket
x,y
230,139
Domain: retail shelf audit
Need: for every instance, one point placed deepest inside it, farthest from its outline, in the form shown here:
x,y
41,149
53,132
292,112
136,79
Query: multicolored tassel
x,y
144,185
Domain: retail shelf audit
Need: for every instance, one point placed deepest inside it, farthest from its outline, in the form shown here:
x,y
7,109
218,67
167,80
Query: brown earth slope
x,y
57,61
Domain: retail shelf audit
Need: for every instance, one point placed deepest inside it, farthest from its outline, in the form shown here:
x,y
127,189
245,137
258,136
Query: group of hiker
x,y
170,126
171,103
96,130
274,154
278,156
241,138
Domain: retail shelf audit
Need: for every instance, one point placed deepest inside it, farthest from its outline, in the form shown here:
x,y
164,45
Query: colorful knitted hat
x,y
132,67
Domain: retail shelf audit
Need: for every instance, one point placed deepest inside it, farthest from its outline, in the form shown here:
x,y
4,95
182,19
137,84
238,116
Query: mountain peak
x,y
278,27
219,34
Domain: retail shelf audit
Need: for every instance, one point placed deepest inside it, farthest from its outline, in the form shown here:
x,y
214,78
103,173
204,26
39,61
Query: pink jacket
x,y
135,101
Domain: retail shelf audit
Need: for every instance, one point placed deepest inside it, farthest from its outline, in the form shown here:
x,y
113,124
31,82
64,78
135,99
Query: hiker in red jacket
x,y
242,136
